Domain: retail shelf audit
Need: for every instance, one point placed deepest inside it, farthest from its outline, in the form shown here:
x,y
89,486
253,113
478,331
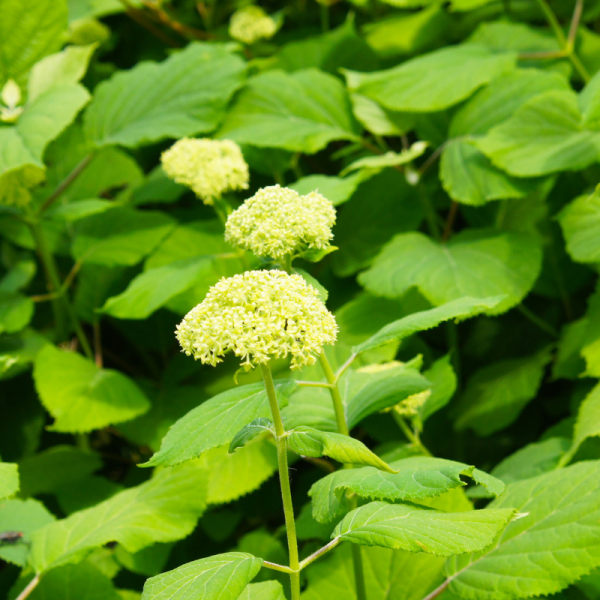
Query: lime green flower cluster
x,y
209,167
258,315
279,222
250,24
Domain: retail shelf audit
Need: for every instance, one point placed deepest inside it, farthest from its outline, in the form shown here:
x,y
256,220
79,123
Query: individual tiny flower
x,y
250,24
278,222
11,98
209,167
258,315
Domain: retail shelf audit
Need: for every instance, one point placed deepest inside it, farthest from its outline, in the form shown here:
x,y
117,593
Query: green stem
x,y
287,263
336,397
430,214
284,479
342,425
61,304
410,434
551,18
324,18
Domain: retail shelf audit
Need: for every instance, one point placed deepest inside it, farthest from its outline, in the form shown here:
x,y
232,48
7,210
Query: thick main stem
x,y
342,425
284,479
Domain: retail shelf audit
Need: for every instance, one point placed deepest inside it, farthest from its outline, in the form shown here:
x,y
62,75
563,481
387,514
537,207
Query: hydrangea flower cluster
x,y
250,24
258,315
209,167
278,222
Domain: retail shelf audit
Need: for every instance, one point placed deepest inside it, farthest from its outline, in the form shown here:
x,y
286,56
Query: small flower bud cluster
x,y
11,98
258,315
209,167
409,407
250,24
278,222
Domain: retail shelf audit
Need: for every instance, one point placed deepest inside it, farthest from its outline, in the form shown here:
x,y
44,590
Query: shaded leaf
x,y
260,426
580,222
9,480
16,311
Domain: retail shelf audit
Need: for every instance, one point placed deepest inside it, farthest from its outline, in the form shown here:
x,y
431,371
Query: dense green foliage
x,y
459,143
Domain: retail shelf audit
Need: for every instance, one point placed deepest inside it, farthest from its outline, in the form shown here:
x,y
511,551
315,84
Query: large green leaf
x,y
308,441
496,395
545,135
9,480
154,288
301,112
120,236
81,396
416,479
580,222
60,465
458,268
216,421
435,81
131,109
219,577
231,476
419,529
462,308
554,543
29,30
163,509
22,516
266,590
587,424
83,581
336,189
389,574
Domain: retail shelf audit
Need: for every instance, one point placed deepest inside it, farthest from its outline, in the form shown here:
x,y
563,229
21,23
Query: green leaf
x,y
393,207
17,352
370,390
336,189
62,68
552,545
163,509
389,159
301,112
496,395
260,426
587,424
131,110
153,289
462,308
531,460
417,478
29,30
23,516
16,311
267,590
458,268
434,81
231,476
59,465
216,422
386,574
9,480
219,577
545,135
308,441
121,236
469,177
444,380
83,581
419,529
580,222
81,396
149,561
